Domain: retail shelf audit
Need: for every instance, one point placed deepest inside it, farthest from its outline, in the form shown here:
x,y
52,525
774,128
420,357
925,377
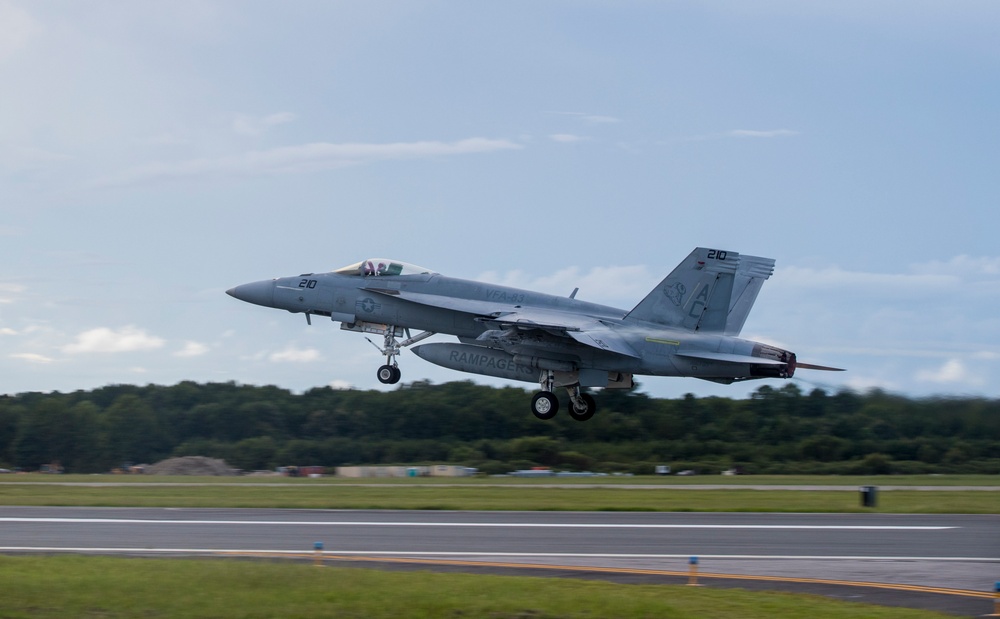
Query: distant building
x,y
438,470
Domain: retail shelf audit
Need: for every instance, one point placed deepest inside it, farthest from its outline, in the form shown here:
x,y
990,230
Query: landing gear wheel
x,y
544,405
586,413
388,375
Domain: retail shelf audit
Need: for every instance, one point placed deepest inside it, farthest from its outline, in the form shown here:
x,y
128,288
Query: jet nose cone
x,y
258,293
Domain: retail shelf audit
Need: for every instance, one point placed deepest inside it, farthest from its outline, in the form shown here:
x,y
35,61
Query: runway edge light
x,y
693,572
318,557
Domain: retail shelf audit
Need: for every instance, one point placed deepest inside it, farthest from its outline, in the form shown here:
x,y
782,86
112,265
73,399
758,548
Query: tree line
x,y
780,430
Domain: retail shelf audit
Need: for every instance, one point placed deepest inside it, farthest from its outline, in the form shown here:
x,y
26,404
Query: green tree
x,y
824,448
133,432
46,435
254,454
90,449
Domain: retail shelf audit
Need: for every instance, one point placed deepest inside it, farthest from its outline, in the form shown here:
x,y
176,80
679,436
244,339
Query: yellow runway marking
x,y
626,570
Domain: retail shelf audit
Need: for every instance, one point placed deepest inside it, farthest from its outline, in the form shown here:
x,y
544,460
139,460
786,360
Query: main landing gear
x,y
545,404
389,373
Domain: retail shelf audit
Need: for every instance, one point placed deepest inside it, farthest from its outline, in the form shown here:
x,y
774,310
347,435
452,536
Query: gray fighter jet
x,y
687,326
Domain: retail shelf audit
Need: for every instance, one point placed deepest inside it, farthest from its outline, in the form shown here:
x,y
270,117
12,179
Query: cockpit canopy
x,y
376,267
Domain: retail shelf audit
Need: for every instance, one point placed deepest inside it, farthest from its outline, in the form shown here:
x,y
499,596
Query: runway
x,y
940,551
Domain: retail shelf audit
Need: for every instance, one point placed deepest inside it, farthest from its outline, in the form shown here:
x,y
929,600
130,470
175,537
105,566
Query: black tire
x,y
386,374
586,414
396,375
544,405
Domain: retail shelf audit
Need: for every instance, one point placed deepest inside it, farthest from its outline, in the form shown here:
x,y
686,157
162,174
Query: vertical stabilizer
x,y
751,274
696,295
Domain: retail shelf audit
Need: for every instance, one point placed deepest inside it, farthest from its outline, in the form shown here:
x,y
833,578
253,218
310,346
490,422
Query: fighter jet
x,y
686,326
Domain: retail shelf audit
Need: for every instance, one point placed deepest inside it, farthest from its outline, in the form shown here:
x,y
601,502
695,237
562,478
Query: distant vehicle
x,y
662,469
686,473
686,326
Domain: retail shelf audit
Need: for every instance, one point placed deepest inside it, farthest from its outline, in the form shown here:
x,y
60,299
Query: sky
x,y
155,154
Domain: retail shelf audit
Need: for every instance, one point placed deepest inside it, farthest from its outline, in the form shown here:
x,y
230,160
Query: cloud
x,y
166,138
835,277
295,355
625,284
742,133
592,119
952,372
598,120
340,385
192,349
9,291
567,138
962,265
933,281
30,157
748,133
7,331
31,357
254,126
301,158
17,28
105,340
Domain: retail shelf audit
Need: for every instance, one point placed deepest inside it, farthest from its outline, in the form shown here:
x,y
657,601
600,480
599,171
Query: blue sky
x,y
153,155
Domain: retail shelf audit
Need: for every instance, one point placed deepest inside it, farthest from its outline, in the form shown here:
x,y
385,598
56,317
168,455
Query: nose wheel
x,y
389,374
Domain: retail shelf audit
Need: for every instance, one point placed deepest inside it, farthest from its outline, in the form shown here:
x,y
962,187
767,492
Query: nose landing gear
x,y
389,373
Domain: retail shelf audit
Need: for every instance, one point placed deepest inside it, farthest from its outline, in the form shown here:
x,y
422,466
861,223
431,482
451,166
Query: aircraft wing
x,y
470,306
606,339
578,327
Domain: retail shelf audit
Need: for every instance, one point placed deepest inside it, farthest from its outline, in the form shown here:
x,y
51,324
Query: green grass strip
x,y
614,480
105,587
488,498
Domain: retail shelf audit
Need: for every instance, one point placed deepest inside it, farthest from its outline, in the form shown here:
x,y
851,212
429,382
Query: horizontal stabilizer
x,y
729,357
809,366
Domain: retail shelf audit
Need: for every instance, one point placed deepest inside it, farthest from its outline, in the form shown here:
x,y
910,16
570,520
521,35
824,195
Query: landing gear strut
x,y
545,404
581,405
389,373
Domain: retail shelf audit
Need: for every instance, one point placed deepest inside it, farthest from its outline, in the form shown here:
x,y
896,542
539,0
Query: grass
x,y
516,496
613,480
105,587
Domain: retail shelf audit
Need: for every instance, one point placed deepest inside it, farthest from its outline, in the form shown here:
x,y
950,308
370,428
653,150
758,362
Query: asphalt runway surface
x,y
944,562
